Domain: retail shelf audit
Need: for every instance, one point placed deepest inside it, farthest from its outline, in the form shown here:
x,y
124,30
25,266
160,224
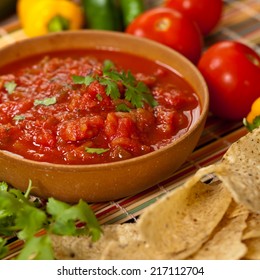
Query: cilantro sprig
x,y
21,216
46,101
97,151
136,92
10,87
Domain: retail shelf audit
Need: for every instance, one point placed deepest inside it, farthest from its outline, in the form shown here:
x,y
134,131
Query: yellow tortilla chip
x,y
225,242
240,170
180,222
253,249
253,226
82,247
134,250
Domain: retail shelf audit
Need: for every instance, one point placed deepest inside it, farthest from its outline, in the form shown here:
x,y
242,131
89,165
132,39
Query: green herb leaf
x,y
111,88
136,92
81,80
99,97
18,118
3,248
96,150
122,108
29,220
3,186
46,101
37,248
19,215
108,65
10,86
66,216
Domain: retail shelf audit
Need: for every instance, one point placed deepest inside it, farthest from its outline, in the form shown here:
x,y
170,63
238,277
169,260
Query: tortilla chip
x,y
180,222
225,242
253,226
82,247
253,249
240,170
134,250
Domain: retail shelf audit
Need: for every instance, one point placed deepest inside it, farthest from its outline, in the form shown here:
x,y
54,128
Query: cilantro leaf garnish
x,y
10,87
98,151
80,80
122,108
3,248
18,118
37,248
20,216
136,92
111,87
46,101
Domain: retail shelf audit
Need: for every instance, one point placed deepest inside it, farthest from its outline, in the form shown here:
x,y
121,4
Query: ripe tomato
x,y
206,13
170,28
232,72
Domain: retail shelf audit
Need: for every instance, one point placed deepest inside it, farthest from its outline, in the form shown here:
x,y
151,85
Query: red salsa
x,y
79,107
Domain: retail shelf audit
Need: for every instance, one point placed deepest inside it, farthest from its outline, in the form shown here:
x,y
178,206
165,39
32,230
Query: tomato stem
x,y
58,23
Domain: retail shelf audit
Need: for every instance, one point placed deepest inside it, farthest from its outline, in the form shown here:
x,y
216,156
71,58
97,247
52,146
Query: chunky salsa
x,y
89,107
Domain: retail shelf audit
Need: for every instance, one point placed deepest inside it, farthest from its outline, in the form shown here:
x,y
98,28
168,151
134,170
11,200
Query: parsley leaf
x,y
46,101
3,186
37,248
18,118
3,248
19,215
82,80
111,88
122,108
98,151
10,87
65,217
136,92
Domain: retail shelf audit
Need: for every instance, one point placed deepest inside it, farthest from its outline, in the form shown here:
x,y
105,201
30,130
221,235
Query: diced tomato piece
x,y
144,119
44,137
132,146
120,125
179,100
111,125
83,128
10,109
6,133
170,121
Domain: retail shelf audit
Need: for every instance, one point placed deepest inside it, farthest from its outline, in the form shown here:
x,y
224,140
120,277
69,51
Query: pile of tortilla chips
x,y
217,221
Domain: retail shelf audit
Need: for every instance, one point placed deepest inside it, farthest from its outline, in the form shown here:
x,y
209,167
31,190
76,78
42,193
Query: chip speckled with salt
x,y
240,170
225,242
183,220
82,248
253,249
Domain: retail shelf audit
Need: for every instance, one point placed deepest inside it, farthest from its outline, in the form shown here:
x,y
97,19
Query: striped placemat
x,y
240,21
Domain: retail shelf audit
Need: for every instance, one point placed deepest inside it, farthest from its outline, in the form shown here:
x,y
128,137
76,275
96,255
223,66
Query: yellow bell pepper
x,y
253,118
21,7
39,17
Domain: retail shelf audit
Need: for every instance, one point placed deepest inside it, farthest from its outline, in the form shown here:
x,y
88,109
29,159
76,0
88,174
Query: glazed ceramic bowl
x,y
109,181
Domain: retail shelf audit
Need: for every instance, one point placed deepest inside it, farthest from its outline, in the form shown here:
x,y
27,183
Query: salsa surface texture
x,y
72,108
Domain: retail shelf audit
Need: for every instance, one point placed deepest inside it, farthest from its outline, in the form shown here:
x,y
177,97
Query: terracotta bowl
x,y
103,182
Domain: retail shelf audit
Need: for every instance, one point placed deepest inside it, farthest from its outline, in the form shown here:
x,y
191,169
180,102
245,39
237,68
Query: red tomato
x,y
232,72
206,13
170,28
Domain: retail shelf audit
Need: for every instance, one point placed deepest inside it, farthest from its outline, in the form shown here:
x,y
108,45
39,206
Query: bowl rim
x,y
116,164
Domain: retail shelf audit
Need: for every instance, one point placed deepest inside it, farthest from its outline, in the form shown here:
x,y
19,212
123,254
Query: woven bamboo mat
x,y
240,21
